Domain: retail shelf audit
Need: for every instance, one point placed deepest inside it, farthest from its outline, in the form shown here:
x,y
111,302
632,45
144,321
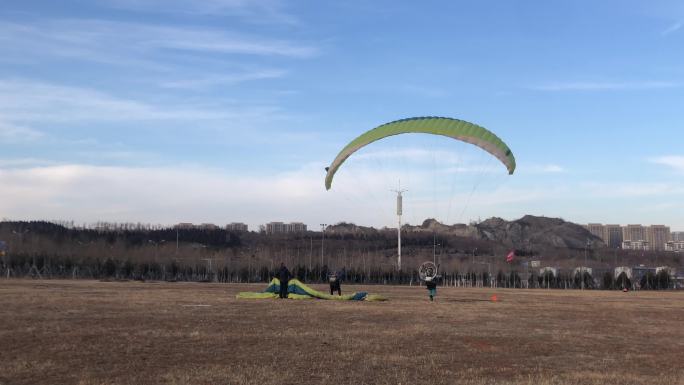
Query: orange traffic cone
x,y
494,298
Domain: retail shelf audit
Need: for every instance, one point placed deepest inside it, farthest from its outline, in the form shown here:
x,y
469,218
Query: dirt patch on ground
x,y
85,332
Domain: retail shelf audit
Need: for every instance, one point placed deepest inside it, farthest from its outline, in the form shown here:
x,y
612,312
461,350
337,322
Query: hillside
x,y
532,230
528,231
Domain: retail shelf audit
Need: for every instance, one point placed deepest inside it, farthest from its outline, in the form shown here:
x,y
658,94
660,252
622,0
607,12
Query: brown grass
x,y
85,332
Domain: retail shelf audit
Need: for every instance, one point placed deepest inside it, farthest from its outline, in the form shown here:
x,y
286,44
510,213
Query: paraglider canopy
x,y
449,127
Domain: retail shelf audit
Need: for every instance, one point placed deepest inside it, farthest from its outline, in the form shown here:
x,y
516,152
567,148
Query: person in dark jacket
x,y
431,286
284,277
335,285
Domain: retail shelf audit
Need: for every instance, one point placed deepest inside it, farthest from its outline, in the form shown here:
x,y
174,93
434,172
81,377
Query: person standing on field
x,y
431,286
334,280
284,278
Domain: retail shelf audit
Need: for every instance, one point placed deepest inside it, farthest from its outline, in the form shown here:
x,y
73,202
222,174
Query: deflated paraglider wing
x,y
453,128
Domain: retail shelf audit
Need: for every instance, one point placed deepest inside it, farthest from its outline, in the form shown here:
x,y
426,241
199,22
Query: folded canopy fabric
x,y
298,290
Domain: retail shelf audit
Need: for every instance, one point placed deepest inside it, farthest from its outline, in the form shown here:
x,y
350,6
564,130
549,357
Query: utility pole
x,y
585,262
156,247
399,191
21,236
211,270
322,241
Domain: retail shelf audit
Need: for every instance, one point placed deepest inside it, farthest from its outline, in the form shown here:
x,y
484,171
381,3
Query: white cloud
x,y
25,162
673,28
262,11
172,194
675,162
168,195
134,43
158,194
30,101
605,86
219,80
631,190
540,169
11,133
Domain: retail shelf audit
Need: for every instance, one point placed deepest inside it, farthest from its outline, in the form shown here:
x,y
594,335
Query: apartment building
x,y
596,229
636,245
677,246
634,237
658,236
237,226
634,233
613,236
284,228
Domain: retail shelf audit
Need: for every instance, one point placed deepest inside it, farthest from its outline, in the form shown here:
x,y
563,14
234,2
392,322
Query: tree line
x,y
55,250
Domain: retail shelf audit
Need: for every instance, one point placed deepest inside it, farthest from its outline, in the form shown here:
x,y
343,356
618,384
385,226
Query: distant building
x,y
678,236
674,246
275,228
638,272
296,227
634,233
636,245
285,228
597,229
208,226
613,236
236,226
658,236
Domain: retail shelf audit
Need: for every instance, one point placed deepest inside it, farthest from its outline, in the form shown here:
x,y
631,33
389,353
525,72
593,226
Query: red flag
x,y
509,257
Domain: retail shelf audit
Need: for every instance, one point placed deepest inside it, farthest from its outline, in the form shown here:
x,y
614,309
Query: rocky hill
x,y
533,230
433,226
528,231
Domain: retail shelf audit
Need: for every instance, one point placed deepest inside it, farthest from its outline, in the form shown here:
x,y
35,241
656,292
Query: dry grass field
x,y
86,332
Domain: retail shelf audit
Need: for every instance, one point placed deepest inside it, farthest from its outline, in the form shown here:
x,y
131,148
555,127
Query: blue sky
x,y
228,110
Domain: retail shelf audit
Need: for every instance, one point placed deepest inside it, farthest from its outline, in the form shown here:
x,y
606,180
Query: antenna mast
x,y
399,191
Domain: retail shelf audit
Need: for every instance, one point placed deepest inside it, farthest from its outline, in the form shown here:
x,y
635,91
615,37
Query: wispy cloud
x,y
631,190
16,163
222,80
540,169
107,41
675,162
262,11
604,86
11,133
31,101
673,28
